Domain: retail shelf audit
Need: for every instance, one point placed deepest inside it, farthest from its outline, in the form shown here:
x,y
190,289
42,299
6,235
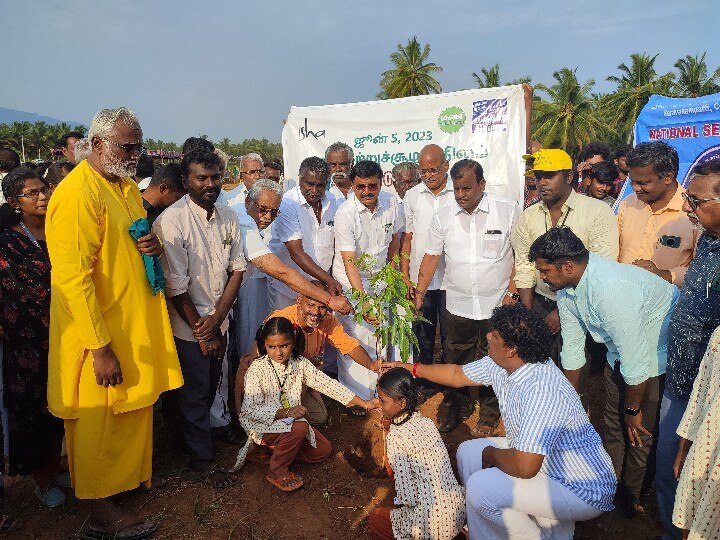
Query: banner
x,y
487,125
690,125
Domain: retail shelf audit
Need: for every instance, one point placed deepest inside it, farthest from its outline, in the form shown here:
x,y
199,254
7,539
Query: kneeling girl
x,y
430,503
271,412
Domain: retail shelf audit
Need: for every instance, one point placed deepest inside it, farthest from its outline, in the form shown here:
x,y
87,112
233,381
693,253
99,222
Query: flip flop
x,y
287,483
9,523
115,532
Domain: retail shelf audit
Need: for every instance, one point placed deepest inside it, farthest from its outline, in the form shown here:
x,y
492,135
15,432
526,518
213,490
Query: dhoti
x,y
357,378
108,453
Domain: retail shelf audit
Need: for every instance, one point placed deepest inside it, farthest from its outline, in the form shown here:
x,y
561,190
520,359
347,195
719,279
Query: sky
x,y
233,68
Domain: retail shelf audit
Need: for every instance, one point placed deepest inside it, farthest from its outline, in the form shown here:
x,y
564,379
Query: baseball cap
x,y
549,159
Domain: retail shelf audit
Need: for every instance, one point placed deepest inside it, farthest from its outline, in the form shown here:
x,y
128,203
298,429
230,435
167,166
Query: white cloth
x,y
419,207
338,194
198,254
500,506
251,309
144,183
477,253
359,230
219,411
297,221
235,197
357,378
254,242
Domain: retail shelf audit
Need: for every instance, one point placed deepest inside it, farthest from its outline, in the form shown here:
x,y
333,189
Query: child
x,y
430,502
271,412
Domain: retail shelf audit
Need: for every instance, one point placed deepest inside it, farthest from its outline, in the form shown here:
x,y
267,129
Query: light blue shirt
x,y
543,415
623,306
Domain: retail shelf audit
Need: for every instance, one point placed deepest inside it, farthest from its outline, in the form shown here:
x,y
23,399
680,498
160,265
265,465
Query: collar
x,y
522,373
324,202
198,210
571,201
362,208
448,188
483,206
582,284
675,204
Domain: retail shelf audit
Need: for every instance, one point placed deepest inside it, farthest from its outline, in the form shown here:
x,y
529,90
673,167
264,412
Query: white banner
x,y
487,125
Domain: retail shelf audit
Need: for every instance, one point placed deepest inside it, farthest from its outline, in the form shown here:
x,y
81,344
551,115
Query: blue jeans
x,y
671,412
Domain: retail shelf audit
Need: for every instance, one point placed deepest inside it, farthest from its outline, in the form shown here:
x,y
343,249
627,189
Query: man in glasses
x,y
112,351
251,169
696,316
655,233
420,204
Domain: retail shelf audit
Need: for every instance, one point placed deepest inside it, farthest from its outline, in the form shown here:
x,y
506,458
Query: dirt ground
x,y
333,504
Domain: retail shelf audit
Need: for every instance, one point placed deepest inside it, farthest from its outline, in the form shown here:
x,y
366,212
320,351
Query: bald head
x,y
432,152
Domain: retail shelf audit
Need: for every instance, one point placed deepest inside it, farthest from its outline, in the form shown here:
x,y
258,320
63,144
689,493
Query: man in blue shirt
x,y
551,469
627,309
696,316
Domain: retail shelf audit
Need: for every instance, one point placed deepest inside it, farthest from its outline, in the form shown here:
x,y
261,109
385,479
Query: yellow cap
x,y
549,159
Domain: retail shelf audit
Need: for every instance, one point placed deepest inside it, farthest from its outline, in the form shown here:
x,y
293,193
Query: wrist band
x,y
414,370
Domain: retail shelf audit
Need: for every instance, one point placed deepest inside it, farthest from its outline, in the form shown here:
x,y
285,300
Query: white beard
x,y
116,166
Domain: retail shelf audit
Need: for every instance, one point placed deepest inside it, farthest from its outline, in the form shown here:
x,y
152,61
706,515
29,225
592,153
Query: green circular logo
x,y
451,119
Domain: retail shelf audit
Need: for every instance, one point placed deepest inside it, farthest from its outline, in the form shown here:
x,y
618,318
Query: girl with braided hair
x,y
272,414
429,502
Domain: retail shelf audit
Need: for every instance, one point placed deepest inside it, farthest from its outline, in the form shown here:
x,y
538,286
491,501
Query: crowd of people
x,y
129,291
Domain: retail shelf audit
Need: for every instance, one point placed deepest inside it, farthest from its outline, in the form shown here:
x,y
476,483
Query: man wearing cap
x,y
560,206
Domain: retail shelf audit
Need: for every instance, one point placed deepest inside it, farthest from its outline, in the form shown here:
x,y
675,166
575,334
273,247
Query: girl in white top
x,y
272,414
429,502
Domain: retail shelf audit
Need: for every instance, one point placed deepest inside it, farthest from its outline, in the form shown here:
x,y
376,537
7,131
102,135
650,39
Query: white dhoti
x,y
357,378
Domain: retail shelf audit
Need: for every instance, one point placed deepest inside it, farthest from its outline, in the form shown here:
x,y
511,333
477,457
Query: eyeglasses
x,y
263,210
253,172
694,202
128,148
432,171
35,193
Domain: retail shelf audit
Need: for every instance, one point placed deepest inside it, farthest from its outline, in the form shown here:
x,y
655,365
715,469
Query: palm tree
x,y
693,79
490,77
569,119
411,75
636,84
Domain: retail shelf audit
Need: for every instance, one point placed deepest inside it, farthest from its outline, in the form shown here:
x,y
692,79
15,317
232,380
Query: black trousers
x,y
433,309
466,342
195,398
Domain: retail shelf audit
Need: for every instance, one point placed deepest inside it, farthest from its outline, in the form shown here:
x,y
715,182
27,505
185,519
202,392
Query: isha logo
x,y
306,132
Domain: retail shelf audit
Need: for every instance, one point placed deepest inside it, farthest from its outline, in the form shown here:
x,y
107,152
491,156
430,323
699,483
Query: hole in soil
x,y
366,457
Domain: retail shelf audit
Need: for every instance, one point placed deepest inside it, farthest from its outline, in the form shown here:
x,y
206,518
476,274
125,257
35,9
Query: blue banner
x,y
690,125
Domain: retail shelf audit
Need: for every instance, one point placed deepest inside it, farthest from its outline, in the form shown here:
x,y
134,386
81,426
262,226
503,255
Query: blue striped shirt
x,y
543,415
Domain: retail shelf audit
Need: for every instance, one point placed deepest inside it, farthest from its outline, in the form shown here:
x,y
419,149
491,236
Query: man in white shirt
x,y
340,158
405,177
203,264
472,237
419,205
303,233
251,169
368,223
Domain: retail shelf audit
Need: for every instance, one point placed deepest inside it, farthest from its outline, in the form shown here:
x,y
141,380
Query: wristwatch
x,y
631,412
515,296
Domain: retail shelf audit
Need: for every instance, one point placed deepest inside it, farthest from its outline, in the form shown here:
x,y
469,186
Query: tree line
x,y
567,113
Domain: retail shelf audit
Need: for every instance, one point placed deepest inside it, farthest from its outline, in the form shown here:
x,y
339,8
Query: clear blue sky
x,y
233,68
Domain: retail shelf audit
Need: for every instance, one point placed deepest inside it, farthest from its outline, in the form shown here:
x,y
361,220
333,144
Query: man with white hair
x,y
112,351
340,158
82,149
251,169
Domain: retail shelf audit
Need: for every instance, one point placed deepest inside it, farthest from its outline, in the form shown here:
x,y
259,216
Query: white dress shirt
x,y
296,221
477,252
255,242
338,194
197,256
420,206
359,230
235,197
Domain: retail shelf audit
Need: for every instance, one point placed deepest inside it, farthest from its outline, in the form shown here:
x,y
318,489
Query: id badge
x,y
492,244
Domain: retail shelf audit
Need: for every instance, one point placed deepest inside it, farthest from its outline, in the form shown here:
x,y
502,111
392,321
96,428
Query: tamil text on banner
x,y
690,125
487,125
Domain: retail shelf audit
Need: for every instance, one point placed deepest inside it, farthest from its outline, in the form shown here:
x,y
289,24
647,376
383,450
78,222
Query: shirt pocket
x,y
325,239
492,245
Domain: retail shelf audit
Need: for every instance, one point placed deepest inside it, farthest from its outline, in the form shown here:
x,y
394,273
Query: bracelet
x,y
414,370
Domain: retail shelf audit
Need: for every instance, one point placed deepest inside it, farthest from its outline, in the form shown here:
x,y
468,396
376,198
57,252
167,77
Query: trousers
x,y
500,506
287,447
671,413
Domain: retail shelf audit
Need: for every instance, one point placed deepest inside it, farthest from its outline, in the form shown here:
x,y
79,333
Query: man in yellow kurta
x,y
111,345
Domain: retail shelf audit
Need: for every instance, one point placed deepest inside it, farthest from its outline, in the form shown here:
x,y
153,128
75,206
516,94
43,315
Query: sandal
x,y
142,529
215,477
287,483
9,523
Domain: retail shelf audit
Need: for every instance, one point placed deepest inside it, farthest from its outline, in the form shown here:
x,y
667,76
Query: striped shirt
x,y
543,415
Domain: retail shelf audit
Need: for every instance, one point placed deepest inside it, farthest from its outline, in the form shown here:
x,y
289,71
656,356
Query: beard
x,y
115,166
696,224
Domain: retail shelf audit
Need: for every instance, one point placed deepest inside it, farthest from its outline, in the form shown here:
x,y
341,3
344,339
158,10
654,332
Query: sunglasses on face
x,y
694,201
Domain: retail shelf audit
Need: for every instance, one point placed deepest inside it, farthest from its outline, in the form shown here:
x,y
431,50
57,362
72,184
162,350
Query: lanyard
x,y
30,235
562,224
283,395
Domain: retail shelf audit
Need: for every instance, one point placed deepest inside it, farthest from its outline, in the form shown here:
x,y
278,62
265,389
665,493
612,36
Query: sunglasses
x,y
128,148
694,202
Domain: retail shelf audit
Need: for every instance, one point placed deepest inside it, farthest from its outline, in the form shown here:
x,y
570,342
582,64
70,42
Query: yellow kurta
x,y
100,295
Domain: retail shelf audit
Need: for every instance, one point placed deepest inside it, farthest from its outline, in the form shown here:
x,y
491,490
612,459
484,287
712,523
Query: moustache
x,y
340,175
